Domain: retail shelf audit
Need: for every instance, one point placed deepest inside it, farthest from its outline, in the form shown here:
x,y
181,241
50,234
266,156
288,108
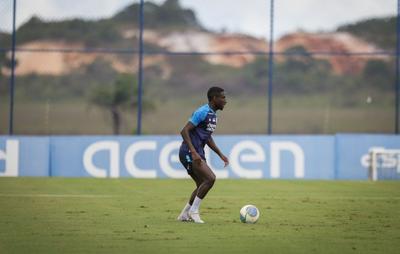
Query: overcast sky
x,y
243,16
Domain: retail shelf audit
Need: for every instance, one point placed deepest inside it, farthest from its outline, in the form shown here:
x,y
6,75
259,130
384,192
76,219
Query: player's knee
x,y
211,180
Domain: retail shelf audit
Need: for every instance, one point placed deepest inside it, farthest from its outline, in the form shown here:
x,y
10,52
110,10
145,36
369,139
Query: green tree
x,y
300,72
377,74
115,98
380,31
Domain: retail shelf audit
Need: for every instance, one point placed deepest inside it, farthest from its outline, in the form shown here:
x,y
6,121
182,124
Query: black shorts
x,y
186,157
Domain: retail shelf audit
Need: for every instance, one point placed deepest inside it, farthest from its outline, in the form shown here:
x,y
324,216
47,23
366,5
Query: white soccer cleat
x,y
195,216
183,217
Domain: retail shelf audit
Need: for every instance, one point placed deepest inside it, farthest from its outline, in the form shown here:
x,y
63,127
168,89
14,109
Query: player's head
x,y
216,96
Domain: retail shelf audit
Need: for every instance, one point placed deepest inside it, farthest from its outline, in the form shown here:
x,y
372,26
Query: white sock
x,y
186,208
196,205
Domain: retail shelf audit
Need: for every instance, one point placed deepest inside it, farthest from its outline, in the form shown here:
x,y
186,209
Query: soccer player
x,y
196,134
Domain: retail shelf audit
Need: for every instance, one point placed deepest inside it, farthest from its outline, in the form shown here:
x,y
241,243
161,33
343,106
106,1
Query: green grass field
x,y
56,215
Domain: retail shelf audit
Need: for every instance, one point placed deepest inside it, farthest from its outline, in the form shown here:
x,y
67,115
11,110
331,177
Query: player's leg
x,y
207,177
198,182
186,160
184,215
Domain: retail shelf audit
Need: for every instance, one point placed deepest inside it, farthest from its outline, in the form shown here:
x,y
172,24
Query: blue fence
x,y
256,157
271,124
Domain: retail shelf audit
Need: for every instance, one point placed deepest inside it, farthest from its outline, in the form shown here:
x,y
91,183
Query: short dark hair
x,y
214,91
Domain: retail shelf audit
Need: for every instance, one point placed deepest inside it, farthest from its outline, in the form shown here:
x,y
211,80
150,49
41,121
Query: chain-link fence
x,y
77,66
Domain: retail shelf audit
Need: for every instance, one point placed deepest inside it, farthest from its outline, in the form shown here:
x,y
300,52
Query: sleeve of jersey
x,y
198,116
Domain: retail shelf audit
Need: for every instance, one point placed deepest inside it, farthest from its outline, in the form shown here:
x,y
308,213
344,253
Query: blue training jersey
x,y
205,120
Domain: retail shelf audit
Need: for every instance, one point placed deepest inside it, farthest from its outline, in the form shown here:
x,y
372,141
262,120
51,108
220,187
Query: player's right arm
x,y
186,137
215,148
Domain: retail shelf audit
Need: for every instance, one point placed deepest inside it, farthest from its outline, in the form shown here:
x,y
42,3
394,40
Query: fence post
x,y
397,86
140,71
12,79
271,67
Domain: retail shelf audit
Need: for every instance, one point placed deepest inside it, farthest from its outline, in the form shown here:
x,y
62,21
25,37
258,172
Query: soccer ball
x,y
249,214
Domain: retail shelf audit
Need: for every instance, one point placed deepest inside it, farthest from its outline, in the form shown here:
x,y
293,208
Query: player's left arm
x,y
215,148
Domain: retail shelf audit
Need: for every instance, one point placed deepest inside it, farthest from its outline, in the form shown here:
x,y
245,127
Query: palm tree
x,y
116,97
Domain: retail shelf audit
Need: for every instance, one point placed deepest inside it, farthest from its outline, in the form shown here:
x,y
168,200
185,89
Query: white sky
x,y
242,16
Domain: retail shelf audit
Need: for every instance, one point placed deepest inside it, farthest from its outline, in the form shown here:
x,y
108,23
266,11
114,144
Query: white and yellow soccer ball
x,y
249,214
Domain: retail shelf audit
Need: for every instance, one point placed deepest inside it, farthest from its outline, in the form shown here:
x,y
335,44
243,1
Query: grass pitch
x,y
56,215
